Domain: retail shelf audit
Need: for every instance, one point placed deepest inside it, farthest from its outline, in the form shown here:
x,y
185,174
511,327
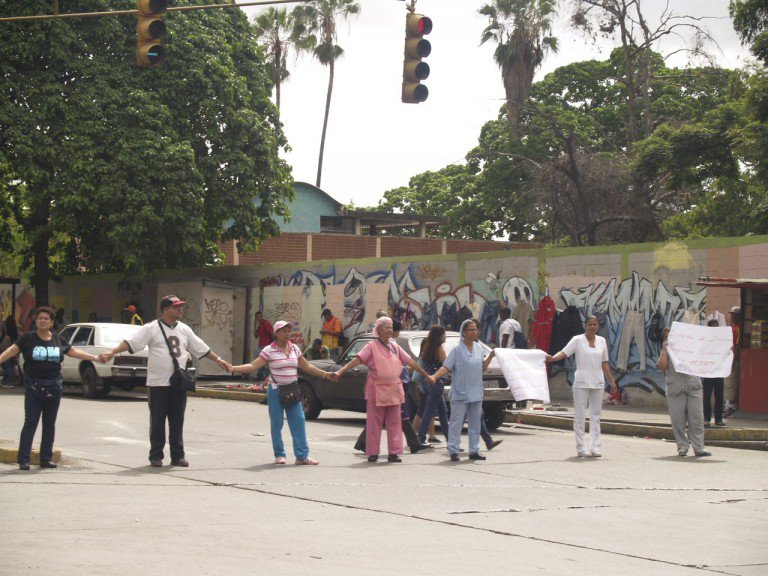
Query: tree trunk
x,y
278,73
325,123
38,229
517,75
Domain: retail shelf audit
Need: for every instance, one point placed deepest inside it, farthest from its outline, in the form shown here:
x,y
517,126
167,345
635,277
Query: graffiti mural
x,y
416,296
616,302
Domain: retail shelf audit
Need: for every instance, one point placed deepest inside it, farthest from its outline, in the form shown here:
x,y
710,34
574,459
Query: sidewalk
x,y
741,430
746,431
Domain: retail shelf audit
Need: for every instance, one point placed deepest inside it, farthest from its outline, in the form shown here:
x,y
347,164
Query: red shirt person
x,y
265,335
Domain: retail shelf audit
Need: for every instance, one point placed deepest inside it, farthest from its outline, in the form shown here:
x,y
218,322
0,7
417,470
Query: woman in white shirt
x,y
592,368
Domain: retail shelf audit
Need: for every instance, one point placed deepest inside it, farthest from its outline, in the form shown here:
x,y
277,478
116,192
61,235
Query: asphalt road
x,y
531,508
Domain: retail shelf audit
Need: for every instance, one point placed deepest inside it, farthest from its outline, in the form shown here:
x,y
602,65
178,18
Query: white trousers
x,y
582,397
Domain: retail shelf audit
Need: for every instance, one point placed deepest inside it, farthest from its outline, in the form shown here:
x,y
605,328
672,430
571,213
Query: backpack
x,y
656,328
520,340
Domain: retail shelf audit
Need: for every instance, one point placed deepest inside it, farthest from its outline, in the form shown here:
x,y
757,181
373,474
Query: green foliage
x,y
141,168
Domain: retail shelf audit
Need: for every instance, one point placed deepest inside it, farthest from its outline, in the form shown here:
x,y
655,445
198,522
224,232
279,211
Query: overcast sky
x,y
375,142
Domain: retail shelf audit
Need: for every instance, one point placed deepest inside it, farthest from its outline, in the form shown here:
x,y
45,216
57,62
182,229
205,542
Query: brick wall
x,y
336,246
394,246
292,247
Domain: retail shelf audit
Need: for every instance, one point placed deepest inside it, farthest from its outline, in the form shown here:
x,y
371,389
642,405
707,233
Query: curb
x,y
11,456
229,395
662,432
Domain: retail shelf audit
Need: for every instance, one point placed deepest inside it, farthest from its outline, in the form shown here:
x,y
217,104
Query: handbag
x,y
184,378
289,393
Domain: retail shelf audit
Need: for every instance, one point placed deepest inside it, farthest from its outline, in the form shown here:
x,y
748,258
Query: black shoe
x,y
48,465
434,440
476,456
455,458
373,459
420,447
394,458
492,445
180,462
24,466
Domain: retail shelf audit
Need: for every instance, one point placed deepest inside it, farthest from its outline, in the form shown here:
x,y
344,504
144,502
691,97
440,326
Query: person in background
x,y
431,359
43,351
507,329
466,365
60,321
135,319
167,403
265,335
592,369
331,331
685,405
383,389
716,386
93,317
284,358
316,351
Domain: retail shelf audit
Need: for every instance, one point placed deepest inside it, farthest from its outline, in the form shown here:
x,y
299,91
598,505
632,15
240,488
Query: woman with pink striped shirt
x,y
283,358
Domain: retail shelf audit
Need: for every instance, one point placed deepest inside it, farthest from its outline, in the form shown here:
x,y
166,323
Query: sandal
x,y
280,460
306,462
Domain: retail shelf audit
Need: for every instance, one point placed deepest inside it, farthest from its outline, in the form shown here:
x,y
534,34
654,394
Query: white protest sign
x,y
701,350
526,373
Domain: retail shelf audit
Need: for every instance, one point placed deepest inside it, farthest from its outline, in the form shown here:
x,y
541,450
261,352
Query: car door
x,y
349,391
69,365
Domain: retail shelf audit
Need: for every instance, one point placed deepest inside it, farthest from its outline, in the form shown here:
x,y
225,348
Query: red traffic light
x,y
416,48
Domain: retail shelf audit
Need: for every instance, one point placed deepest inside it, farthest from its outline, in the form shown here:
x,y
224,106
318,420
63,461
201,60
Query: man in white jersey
x,y
167,402
507,329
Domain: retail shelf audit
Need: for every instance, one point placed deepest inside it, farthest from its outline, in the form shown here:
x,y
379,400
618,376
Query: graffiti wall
x,y
625,286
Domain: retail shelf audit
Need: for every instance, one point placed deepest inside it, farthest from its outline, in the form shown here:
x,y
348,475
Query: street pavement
x,y
532,508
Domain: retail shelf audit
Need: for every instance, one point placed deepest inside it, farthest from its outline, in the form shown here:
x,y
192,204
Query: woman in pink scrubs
x,y
383,389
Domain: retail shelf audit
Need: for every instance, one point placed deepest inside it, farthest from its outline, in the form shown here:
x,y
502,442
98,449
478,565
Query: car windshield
x,y
113,335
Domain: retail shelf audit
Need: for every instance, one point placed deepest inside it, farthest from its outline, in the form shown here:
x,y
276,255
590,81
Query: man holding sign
x,y
688,352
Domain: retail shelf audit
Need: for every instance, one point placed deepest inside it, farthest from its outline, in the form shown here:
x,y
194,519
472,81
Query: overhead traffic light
x,y
416,48
150,31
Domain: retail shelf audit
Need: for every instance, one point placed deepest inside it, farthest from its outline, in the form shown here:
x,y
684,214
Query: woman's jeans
x,y
435,404
34,407
296,423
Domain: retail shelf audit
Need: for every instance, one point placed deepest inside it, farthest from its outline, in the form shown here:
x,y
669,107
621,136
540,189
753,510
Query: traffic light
x,y
416,48
150,31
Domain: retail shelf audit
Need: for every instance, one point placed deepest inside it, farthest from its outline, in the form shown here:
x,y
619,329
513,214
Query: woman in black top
x,y
43,352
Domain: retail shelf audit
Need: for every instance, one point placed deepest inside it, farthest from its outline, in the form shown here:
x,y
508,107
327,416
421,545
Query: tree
x,y
135,169
520,30
273,27
315,31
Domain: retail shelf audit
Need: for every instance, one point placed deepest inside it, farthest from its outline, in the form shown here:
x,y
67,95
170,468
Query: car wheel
x,y
92,383
309,401
495,415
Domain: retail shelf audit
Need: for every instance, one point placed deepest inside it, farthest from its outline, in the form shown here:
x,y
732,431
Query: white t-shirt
x,y
183,341
509,327
589,361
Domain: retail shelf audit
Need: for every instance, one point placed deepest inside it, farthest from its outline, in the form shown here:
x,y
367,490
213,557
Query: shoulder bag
x,y
184,378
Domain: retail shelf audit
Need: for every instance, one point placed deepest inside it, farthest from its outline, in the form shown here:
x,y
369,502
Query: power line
x,y
56,15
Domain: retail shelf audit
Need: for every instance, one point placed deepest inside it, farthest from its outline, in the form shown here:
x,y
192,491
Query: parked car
x,y
125,371
348,393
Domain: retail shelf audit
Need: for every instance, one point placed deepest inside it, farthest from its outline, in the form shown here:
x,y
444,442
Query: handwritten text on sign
x,y
525,372
701,350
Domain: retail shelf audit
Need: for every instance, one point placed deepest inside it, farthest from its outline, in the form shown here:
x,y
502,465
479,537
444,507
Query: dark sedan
x,y
348,393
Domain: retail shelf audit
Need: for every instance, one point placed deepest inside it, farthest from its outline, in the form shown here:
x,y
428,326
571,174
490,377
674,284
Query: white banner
x,y
526,373
704,351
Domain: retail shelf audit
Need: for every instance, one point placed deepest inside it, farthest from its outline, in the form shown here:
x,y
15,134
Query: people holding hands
x,y
383,388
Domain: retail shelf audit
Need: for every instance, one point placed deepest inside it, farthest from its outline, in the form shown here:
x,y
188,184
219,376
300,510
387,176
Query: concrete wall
x,y
610,279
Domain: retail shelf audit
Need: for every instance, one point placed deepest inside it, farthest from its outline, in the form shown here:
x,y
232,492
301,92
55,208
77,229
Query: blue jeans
x,y
295,415
8,373
34,407
435,404
473,413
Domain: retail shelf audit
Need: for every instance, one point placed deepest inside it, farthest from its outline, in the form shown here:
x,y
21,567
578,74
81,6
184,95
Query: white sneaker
x,y
583,454
596,454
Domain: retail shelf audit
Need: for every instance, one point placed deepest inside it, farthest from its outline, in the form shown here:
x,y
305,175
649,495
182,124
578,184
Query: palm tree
x,y
315,30
520,29
273,28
